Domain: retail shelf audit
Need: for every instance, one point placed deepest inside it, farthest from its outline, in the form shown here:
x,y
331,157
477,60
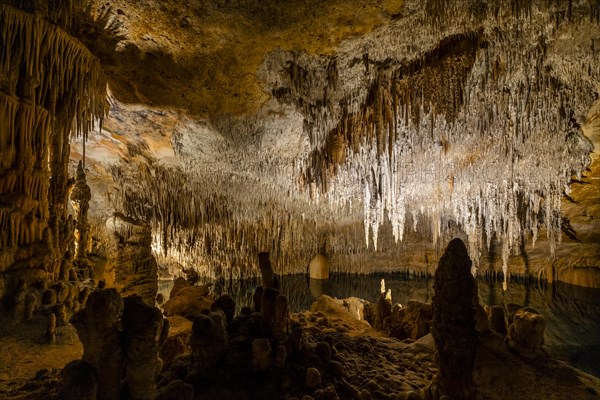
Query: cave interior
x,y
307,199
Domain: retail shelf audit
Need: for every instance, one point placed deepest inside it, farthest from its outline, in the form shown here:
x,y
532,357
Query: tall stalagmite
x,y
453,327
80,200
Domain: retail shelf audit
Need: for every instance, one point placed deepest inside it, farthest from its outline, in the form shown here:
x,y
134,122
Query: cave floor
x,y
30,367
26,357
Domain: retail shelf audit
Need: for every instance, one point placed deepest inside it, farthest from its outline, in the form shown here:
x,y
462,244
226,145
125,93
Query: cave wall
x,y
50,88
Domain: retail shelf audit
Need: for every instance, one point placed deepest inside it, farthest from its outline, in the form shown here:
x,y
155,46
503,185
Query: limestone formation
x,y
257,298
318,268
144,332
133,264
80,198
179,283
226,304
323,350
526,333
189,302
268,308
369,131
84,295
62,292
50,84
412,320
51,328
60,310
266,271
31,304
384,310
19,300
262,354
98,327
297,337
49,297
177,343
79,381
280,319
208,341
453,326
280,356
313,378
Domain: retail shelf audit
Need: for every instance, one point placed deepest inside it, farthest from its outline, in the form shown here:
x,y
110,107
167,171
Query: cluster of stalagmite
x,y
121,340
51,87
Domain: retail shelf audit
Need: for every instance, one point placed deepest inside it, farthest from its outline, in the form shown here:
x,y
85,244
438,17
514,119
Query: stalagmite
x,y
98,328
80,198
280,319
79,381
144,332
208,341
453,325
51,328
266,271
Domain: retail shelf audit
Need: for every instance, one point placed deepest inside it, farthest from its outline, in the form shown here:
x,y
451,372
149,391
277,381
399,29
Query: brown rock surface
x,y
453,325
144,332
98,327
412,320
526,332
180,330
208,341
189,302
132,262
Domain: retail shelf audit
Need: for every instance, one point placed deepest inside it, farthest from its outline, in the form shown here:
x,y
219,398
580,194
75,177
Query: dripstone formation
x,y
121,341
49,83
80,200
453,325
132,267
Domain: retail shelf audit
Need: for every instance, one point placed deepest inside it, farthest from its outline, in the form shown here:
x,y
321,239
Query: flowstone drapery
x,y
51,87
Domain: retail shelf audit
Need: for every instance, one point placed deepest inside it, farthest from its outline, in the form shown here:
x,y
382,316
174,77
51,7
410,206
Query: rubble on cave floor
x,y
327,354
340,349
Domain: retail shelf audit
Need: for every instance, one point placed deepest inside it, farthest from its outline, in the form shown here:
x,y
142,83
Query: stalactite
x,y
467,110
49,83
412,138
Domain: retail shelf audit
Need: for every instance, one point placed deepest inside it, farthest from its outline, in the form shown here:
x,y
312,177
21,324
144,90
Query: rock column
x,y
133,268
144,332
98,328
453,326
80,199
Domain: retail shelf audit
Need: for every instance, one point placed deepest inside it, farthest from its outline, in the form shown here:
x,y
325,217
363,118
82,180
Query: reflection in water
x,y
572,313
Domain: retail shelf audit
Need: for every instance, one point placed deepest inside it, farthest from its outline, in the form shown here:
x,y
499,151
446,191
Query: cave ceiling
x,y
366,130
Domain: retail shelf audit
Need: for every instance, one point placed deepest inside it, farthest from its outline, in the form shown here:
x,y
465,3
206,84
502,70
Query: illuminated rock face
x,y
51,88
131,267
80,198
433,122
370,136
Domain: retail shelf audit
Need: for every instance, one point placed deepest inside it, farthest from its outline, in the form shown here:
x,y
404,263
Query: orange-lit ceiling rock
x,y
202,56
